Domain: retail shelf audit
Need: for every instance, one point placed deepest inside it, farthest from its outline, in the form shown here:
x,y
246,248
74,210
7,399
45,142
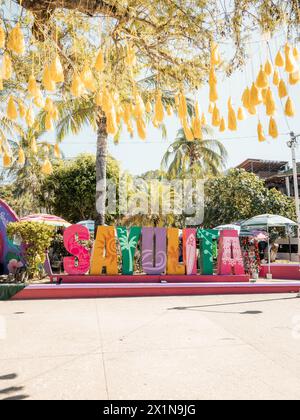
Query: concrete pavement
x,y
209,347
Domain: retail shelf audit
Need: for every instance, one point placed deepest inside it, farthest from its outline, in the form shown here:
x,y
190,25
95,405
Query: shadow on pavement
x,y
15,390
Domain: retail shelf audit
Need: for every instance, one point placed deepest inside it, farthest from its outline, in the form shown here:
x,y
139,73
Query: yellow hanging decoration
x,y
141,128
32,86
279,60
222,125
269,68
262,81
211,108
49,123
77,87
276,78
48,83
57,71
47,168
264,93
12,113
100,63
294,78
7,67
215,54
255,96
296,54
56,151
246,98
88,79
197,128
2,38
39,100
187,130
270,103
203,120
16,42
170,110
55,113
22,109
182,109
216,117
290,65
241,114
290,109
130,59
260,133
232,119
282,89
49,105
30,117
159,112
273,129
6,160
21,157
213,93
139,109
149,107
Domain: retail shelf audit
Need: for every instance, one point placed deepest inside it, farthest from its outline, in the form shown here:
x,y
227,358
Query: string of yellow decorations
x,y
89,79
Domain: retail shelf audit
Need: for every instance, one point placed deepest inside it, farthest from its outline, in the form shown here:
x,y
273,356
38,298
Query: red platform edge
x,y
282,271
137,279
89,291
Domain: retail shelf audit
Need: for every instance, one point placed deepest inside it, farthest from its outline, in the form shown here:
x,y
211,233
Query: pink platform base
x,y
66,279
282,271
89,291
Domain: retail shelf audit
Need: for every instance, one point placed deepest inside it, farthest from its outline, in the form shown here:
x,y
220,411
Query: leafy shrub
x,y
36,239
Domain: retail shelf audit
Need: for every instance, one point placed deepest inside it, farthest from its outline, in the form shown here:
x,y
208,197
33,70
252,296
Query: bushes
x,y
36,239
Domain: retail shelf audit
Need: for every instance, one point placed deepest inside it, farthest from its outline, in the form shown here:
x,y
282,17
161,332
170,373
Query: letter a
x,y
105,252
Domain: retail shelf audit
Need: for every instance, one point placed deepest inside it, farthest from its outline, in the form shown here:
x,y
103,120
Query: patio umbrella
x,y
47,219
90,224
229,227
267,221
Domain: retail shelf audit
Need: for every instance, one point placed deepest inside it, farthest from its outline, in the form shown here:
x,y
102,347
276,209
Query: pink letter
x,y
230,260
190,251
80,263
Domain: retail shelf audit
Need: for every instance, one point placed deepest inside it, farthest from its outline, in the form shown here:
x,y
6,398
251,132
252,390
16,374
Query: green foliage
x,y
70,191
240,195
36,238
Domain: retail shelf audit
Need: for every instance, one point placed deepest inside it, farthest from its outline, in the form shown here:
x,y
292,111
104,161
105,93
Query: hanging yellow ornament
x,y
77,87
282,89
262,81
12,113
211,108
170,110
203,120
232,119
32,86
47,168
100,63
269,68
30,117
139,109
246,98
182,109
88,79
49,122
130,59
290,109
16,42
22,109
48,83
187,130
216,117
213,93
222,125
241,114
296,54
212,76
276,78
260,133
149,107
6,160
290,64
273,129
294,78
57,71
264,93
252,110
141,128
270,103
39,100
159,112
255,96
55,113
49,105
2,37
215,54
56,151
279,60
197,128
21,157
7,67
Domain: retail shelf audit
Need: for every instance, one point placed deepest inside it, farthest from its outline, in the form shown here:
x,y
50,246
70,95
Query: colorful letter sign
x,y
190,251
105,252
154,254
207,239
230,260
174,267
80,262
128,244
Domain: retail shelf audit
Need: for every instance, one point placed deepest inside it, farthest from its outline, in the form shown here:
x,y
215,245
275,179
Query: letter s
x,y
72,235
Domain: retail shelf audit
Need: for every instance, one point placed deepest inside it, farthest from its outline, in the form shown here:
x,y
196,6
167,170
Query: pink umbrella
x,y
46,219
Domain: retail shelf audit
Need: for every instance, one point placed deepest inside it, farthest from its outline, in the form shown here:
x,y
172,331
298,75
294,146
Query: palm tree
x,y
199,158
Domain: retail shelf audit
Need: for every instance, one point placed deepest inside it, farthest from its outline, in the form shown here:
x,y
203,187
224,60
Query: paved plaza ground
x,y
206,347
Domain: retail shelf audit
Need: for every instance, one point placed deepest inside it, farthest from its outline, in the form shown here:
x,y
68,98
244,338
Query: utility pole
x,y
292,144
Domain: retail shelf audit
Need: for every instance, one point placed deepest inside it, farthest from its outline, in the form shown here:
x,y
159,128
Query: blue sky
x,y
138,156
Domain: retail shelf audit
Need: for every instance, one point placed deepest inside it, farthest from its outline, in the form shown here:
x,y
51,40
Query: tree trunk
x,y
101,162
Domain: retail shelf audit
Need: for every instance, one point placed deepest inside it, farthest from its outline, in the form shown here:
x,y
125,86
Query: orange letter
x,y
174,267
105,252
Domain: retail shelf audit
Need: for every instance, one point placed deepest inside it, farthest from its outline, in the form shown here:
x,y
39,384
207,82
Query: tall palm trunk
x,y
101,162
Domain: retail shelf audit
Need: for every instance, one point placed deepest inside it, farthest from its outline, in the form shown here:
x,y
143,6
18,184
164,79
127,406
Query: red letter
x,y
80,263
